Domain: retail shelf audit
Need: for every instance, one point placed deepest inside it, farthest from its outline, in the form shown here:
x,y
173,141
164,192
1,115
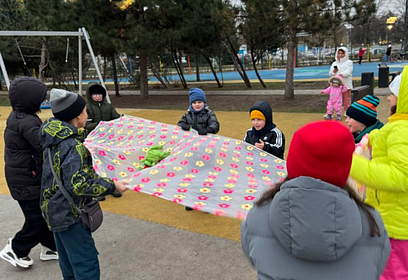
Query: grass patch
x,y
4,101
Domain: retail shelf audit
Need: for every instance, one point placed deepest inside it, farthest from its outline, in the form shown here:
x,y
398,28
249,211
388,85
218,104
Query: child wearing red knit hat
x,y
313,226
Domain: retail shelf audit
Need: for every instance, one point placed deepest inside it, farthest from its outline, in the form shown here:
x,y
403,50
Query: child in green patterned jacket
x,y
72,163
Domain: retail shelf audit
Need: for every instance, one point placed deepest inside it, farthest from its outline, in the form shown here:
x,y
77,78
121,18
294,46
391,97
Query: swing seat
x,y
46,105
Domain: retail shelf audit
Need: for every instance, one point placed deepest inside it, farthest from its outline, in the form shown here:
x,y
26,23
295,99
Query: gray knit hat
x,y
66,105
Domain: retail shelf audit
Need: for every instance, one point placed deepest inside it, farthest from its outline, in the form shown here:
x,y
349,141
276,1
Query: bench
x,y
394,74
359,92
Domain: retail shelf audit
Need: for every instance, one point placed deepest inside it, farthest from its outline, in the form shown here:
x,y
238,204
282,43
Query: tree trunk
x,y
238,61
157,75
104,68
220,68
100,64
179,70
74,78
290,69
212,70
236,65
144,85
180,63
115,76
197,68
256,70
43,62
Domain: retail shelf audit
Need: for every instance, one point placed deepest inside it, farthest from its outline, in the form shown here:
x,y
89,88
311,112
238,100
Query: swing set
x,y
82,34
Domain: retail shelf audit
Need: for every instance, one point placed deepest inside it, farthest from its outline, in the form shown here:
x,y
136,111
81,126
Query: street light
x,y
349,27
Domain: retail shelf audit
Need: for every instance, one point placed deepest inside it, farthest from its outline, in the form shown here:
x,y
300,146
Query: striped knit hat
x,y
364,110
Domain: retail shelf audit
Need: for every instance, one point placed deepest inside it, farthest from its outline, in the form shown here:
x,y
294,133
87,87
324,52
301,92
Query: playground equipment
x,y
81,34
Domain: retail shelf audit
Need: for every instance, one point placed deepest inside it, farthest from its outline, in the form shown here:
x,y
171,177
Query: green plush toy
x,y
154,155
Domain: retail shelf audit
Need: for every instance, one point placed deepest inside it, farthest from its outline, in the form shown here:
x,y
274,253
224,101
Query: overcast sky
x,y
384,6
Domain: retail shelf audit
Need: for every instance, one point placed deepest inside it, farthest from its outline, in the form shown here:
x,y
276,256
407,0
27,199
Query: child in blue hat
x,y
199,116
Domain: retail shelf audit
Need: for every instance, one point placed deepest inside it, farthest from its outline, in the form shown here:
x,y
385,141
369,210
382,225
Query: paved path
x,y
377,91
134,249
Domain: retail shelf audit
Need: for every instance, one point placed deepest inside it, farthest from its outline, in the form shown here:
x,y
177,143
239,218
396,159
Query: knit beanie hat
x,y
364,110
196,94
321,150
256,114
66,105
395,85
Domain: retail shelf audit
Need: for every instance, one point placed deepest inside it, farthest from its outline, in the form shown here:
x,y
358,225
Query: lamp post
x,y
349,27
390,24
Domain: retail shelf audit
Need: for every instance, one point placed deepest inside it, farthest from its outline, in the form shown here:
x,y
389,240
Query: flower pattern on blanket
x,y
211,173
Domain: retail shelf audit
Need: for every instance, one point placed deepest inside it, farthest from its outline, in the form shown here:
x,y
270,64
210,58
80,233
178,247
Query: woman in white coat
x,y
343,67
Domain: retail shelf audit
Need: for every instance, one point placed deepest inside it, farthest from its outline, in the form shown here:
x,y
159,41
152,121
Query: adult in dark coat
x,y
23,170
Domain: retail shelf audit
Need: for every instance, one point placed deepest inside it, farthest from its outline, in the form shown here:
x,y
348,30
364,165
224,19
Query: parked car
x,y
377,50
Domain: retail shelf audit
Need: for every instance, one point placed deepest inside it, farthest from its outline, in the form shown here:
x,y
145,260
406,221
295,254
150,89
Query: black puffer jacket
x,y
22,151
204,119
273,138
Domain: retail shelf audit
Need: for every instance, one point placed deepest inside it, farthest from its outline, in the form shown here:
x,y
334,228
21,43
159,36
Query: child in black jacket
x,y
264,134
198,115
23,170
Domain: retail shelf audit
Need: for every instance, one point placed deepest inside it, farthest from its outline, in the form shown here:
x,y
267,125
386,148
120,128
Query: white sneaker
x,y
47,254
8,255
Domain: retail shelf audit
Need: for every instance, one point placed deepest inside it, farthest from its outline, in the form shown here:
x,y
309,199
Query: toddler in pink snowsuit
x,y
336,90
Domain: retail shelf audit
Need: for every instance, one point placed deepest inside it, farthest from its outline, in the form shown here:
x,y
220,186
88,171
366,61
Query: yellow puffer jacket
x,y
386,175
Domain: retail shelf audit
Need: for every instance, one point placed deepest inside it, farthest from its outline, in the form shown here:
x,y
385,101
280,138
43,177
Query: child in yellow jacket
x,y
386,178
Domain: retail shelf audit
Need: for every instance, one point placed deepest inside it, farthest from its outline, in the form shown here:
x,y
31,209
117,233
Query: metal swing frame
x,y
81,34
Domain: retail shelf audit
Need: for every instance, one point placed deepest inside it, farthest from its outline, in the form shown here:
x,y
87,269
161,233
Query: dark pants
x,y
360,58
34,231
78,257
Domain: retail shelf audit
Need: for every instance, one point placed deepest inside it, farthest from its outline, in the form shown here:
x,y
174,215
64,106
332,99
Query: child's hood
x,y
314,220
338,78
402,103
27,95
265,109
346,55
95,87
54,131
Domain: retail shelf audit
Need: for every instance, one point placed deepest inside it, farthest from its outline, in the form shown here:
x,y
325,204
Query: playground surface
x,y
145,237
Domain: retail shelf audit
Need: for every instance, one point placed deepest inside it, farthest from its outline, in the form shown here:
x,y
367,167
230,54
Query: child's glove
x,y
202,131
185,127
